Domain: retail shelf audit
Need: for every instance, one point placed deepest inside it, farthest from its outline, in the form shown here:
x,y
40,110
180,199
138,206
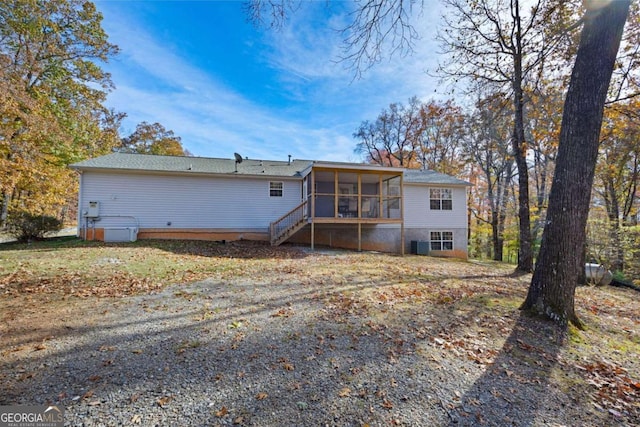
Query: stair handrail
x,y
287,221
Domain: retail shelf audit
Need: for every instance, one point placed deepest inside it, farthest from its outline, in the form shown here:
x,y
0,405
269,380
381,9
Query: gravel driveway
x,y
280,351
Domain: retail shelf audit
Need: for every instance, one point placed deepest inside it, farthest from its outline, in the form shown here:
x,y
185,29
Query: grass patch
x,y
65,264
575,335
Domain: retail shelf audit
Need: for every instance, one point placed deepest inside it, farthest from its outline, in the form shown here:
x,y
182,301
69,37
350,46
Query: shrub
x,y
26,226
619,276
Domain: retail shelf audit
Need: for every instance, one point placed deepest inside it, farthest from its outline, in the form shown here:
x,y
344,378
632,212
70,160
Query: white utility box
x,y
94,210
120,234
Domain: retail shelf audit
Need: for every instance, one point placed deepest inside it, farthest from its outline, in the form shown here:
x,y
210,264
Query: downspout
x,y
313,207
82,229
402,213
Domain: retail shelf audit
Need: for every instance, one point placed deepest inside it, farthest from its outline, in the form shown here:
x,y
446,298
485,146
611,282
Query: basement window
x,y
440,199
441,240
275,189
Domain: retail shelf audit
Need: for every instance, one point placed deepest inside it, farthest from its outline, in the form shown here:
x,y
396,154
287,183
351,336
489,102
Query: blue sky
x,y
224,86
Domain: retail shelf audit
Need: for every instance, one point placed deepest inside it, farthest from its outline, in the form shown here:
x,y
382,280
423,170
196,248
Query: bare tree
x,y
394,136
486,146
272,12
494,43
618,176
378,29
415,135
444,129
561,258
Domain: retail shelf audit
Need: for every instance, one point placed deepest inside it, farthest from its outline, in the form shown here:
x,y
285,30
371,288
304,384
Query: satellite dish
x,y
238,160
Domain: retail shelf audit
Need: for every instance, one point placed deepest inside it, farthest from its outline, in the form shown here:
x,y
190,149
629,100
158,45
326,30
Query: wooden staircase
x,y
288,224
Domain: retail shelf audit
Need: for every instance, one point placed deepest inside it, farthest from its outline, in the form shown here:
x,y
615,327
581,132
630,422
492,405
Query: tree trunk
x,y
519,145
541,164
493,194
502,217
4,213
616,254
496,239
561,257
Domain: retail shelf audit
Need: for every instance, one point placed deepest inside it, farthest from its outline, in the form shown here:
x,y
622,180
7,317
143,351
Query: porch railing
x,y
285,226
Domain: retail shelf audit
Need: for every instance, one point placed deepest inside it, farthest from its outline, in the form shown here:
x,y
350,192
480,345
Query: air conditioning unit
x,y
419,247
120,234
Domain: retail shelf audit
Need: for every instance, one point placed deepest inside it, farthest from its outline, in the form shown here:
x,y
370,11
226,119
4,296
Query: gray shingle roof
x,y
152,163
295,169
419,176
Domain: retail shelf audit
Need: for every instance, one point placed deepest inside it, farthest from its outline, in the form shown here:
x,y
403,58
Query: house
x,y
347,205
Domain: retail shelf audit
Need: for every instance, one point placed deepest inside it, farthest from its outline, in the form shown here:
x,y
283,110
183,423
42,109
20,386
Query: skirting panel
x,y
185,234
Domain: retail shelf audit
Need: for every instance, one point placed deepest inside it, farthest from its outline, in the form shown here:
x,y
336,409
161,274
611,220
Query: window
x,y
441,240
275,189
440,199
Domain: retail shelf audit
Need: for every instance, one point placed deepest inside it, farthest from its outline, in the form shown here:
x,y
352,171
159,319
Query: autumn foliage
x,y
52,103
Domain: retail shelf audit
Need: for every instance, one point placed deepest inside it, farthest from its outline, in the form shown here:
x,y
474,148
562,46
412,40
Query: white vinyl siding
x,y
187,201
418,214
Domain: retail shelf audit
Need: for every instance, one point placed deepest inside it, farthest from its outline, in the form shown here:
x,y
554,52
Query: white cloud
x,y
155,83
311,52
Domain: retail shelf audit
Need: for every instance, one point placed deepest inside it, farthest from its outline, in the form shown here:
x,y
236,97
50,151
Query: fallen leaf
x,y
283,312
387,404
235,325
345,392
222,412
261,396
163,401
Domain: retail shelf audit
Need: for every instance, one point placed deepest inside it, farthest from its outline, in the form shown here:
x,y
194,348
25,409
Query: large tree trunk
x,y
519,144
561,257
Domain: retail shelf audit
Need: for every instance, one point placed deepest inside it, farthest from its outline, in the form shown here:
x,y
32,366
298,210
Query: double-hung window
x,y
275,189
441,240
440,199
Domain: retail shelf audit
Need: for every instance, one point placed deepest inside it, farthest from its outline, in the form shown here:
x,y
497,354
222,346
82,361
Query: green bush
x,y
26,226
619,276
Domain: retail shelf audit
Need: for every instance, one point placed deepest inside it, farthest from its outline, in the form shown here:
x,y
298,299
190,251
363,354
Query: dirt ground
x,y
386,321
